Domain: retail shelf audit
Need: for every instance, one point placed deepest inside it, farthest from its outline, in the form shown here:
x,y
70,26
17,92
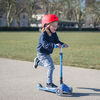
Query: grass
x,y
83,51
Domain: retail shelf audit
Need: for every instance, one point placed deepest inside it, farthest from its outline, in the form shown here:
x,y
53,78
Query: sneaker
x,y
36,61
51,85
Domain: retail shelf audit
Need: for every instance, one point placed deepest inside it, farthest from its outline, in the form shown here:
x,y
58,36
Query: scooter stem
x,y
61,62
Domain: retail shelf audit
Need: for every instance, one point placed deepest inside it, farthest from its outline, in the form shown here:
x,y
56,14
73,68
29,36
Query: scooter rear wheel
x,y
59,91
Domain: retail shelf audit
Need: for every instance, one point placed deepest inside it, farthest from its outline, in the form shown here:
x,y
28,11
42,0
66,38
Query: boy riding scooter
x,y
47,40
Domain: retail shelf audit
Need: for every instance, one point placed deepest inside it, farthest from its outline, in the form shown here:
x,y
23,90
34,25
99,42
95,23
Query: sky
x,y
82,4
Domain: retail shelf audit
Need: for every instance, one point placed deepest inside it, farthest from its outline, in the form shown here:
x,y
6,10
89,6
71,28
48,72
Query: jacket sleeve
x,y
48,46
57,40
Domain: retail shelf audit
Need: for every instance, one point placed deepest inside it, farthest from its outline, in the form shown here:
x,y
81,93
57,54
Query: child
x,y
46,45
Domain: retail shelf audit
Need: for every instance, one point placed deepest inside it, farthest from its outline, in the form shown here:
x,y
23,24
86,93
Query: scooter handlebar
x,y
63,46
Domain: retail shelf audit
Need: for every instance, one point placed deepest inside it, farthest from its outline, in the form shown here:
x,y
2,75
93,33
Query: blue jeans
x,y
47,62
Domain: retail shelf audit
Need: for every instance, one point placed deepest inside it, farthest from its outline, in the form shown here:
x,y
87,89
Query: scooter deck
x,y
40,87
63,89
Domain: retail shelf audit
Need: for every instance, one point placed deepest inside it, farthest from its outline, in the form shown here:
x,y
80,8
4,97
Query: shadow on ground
x,y
83,94
94,89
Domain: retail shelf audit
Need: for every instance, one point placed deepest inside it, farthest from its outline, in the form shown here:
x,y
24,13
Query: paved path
x,y
18,81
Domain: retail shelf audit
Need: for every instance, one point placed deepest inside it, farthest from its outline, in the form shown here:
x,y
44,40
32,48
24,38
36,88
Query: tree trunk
x,y
8,15
80,24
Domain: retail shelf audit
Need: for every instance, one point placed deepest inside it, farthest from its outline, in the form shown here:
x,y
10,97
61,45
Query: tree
x,y
71,11
94,12
96,15
78,13
9,7
13,8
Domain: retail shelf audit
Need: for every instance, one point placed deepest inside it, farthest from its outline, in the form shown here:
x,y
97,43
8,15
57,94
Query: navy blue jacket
x,y
46,43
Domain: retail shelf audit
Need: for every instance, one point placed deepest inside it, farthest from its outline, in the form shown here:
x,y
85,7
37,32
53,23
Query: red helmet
x,y
48,19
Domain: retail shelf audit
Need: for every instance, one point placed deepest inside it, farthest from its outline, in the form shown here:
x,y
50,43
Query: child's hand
x,y
59,45
65,45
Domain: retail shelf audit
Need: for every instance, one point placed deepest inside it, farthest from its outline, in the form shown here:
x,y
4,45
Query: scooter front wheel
x,y
59,91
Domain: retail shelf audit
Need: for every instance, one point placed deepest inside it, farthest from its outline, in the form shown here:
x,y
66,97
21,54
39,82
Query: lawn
x,y
83,51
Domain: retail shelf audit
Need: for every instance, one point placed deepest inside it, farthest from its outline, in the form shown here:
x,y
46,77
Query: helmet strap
x,y
50,30
45,25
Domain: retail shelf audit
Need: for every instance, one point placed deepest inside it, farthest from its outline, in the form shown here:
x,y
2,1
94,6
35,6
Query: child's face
x,y
53,27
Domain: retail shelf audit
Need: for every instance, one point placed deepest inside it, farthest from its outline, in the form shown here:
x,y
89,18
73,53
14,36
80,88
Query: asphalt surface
x,y
18,81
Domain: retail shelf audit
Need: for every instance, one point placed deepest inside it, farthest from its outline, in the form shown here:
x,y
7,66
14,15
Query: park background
x,y
79,27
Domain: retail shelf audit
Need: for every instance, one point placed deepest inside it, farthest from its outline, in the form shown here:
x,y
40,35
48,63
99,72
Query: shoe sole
x,y
35,63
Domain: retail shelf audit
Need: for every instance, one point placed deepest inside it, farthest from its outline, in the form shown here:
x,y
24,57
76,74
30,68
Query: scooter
x,y
63,88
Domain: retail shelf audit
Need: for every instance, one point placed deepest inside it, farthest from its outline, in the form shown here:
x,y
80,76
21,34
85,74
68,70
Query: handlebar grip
x,y
63,46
